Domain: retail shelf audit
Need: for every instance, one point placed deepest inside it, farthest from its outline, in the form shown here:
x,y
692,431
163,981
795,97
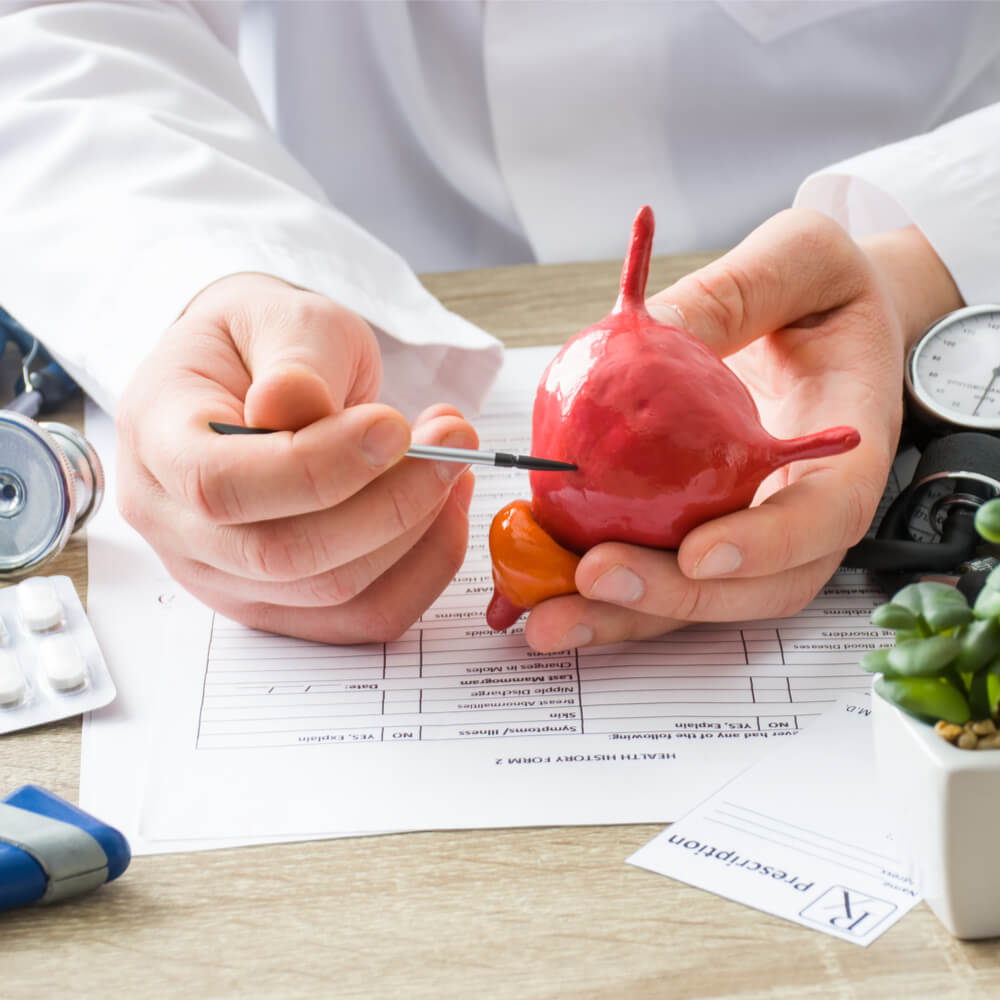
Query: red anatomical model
x,y
663,434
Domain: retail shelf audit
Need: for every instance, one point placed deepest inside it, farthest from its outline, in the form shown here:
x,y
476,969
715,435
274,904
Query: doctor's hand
x,y
324,531
816,326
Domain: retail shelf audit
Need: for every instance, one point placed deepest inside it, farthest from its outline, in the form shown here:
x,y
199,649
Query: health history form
x,y
447,682
253,736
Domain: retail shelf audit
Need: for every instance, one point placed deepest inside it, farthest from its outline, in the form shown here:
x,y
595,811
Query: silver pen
x,y
439,453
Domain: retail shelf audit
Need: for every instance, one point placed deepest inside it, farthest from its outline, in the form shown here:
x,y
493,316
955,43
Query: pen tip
x,y
545,464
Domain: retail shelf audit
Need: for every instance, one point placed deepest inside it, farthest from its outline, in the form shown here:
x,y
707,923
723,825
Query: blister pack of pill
x,y
51,665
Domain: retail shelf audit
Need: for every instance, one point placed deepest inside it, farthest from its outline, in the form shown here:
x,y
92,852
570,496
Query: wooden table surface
x,y
485,913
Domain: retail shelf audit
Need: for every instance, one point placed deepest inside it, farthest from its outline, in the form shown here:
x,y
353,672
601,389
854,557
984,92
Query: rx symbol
x,y
848,910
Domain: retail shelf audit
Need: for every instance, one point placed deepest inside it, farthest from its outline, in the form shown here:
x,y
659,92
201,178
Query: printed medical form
x,y
260,736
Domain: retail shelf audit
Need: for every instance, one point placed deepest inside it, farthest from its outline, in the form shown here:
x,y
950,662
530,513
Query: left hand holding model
x,y
816,325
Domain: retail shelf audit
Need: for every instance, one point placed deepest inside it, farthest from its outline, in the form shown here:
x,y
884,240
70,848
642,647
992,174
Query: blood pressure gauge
x,y
952,382
953,371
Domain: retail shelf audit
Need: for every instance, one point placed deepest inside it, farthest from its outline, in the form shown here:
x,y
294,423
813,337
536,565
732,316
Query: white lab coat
x,y
137,164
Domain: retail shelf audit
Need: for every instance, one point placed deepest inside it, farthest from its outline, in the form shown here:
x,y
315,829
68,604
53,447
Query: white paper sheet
x,y
253,736
800,834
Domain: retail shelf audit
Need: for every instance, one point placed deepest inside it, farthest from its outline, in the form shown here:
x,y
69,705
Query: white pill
x,y
11,679
62,663
38,604
4,634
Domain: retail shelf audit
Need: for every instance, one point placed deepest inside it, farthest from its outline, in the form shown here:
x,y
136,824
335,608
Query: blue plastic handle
x,y
29,844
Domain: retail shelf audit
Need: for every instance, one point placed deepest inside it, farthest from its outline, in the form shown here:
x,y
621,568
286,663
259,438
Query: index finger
x,y
245,478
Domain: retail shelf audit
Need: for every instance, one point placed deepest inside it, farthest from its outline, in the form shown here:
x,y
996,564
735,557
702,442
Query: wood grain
x,y
531,305
525,914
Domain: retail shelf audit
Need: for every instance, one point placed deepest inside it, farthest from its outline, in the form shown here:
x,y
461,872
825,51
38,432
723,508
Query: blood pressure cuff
x,y
51,850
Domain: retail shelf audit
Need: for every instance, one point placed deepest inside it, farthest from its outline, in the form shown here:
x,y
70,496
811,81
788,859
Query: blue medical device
x,y
51,850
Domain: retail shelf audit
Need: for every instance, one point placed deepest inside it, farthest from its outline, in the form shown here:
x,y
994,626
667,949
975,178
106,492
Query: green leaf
x,y
939,604
987,603
926,698
979,700
988,520
876,661
980,642
895,617
923,657
992,690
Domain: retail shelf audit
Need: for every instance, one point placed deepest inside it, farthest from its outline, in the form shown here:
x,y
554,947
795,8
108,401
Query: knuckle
x,y
206,489
307,310
837,264
402,509
800,588
323,491
273,552
790,603
692,604
724,298
192,574
782,545
857,512
333,588
253,554
385,624
815,236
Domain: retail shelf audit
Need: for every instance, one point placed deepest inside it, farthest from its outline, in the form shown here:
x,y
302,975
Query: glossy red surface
x,y
664,435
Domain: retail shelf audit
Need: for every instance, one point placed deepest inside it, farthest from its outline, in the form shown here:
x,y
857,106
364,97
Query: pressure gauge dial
x,y
953,371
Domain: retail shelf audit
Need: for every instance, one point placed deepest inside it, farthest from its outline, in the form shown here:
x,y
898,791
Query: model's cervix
x,y
664,437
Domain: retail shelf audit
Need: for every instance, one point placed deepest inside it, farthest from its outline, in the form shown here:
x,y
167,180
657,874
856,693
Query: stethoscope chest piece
x,y
51,484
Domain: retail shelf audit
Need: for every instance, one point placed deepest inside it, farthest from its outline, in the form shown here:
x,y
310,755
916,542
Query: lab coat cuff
x,y
939,182
429,353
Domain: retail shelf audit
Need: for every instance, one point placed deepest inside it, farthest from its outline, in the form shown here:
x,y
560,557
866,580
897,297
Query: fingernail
x,y
666,313
450,471
619,586
578,635
385,441
722,558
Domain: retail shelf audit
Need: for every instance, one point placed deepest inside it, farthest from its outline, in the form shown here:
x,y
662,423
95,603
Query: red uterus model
x,y
664,437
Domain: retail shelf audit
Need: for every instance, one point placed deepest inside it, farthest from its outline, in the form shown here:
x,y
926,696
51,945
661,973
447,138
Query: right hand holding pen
x,y
322,533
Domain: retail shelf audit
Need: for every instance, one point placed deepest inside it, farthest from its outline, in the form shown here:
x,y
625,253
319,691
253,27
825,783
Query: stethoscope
x,y
51,478
952,393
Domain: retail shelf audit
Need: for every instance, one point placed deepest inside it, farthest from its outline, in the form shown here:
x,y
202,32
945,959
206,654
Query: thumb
x,y
287,395
307,360
794,265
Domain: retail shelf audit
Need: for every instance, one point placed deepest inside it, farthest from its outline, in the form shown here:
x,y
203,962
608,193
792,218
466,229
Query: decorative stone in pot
x,y
943,805
936,720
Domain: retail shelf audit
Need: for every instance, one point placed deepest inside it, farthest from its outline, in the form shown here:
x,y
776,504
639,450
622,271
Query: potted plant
x,y
937,691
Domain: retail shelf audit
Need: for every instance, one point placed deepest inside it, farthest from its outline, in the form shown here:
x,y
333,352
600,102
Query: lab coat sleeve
x,y
136,168
946,182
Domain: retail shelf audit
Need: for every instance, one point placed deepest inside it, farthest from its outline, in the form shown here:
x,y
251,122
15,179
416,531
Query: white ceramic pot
x,y
944,810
